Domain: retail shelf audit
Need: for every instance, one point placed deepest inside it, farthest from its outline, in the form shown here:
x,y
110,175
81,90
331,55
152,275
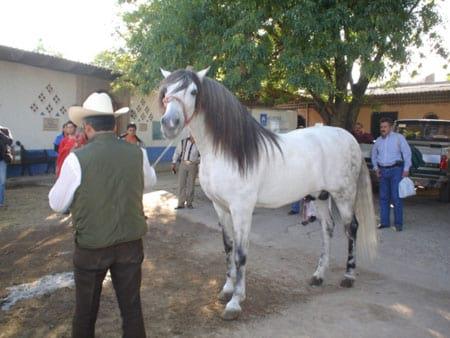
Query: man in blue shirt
x,y
391,159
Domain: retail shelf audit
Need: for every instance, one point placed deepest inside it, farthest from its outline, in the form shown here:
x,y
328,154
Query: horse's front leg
x,y
225,223
242,219
228,288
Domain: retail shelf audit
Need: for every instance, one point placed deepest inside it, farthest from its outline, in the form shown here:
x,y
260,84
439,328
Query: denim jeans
x,y
2,181
295,207
389,181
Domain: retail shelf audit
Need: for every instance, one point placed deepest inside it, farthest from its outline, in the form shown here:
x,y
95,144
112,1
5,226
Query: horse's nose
x,y
164,120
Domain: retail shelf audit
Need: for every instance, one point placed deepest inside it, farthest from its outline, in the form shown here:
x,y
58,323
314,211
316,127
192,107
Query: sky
x,y
80,29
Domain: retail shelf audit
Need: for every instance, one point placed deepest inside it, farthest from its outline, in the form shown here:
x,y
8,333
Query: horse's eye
x,y
194,92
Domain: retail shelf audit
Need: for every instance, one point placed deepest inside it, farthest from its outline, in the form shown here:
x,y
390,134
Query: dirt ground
x,y
179,285
184,269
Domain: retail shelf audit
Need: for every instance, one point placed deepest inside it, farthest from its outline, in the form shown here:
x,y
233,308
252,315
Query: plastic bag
x,y
406,188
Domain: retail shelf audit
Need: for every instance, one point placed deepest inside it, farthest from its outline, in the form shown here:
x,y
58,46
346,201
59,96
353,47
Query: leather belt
x,y
389,166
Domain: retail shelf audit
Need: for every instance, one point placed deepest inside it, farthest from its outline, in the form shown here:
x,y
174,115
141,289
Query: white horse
x,y
245,166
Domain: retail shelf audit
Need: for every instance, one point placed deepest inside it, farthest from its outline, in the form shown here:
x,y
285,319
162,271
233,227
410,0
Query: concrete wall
x,y
32,97
277,120
405,111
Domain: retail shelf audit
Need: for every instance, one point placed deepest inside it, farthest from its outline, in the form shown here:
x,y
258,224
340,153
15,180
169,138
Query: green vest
x,y
107,206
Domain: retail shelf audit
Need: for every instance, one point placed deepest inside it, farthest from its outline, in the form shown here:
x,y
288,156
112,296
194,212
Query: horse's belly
x,y
276,192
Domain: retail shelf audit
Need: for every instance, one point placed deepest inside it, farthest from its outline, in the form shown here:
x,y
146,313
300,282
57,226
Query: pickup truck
x,y
432,139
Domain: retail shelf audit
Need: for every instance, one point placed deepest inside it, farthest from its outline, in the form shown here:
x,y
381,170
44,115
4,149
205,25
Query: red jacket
x,y
65,147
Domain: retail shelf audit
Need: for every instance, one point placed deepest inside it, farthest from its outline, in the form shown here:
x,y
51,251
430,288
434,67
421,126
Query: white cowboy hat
x,y
96,104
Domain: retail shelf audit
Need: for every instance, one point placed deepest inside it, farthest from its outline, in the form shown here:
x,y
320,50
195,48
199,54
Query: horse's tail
x,y
367,240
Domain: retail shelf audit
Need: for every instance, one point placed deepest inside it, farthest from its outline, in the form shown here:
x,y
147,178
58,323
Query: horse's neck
x,y
202,139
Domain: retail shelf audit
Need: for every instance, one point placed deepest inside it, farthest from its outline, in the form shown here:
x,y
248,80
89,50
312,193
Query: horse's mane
x,y
233,129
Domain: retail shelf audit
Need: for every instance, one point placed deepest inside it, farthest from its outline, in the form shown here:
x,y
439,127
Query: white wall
x,y
20,86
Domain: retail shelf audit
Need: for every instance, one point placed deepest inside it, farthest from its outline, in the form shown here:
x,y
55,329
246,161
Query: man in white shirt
x,y
188,156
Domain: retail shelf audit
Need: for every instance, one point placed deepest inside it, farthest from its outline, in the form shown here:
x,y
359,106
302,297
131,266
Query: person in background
x,y
188,156
391,159
102,183
74,139
360,135
130,136
305,208
6,141
59,138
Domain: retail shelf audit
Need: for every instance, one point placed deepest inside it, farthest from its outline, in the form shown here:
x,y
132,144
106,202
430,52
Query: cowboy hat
x,y
96,104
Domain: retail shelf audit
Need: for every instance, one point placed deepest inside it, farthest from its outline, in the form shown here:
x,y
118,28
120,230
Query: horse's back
x,y
325,133
312,159
321,143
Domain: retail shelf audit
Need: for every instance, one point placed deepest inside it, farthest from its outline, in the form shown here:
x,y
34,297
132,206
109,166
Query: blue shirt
x,y
58,139
390,149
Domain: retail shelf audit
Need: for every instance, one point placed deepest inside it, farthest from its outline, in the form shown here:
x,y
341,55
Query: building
x,y
36,91
405,101
413,100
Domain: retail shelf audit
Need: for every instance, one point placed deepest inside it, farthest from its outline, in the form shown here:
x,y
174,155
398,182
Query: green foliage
x,y
267,50
120,62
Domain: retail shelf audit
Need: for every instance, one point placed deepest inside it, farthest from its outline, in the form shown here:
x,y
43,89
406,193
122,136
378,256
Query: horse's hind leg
x,y
350,231
348,218
327,223
227,232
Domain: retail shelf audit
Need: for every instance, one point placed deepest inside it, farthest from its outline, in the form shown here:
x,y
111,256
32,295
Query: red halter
x,y
169,98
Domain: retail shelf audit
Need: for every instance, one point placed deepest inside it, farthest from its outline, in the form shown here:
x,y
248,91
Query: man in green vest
x,y
102,184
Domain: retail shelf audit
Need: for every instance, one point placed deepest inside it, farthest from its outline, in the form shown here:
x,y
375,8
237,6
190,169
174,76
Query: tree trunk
x,y
345,116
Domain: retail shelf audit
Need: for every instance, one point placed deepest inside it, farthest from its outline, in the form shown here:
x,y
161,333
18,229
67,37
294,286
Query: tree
x,y
118,61
272,51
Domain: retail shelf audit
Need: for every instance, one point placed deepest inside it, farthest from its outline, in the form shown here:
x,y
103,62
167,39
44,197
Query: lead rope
x,y
165,151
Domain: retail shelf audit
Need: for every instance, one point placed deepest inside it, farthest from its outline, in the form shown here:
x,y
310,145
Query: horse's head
x,y
178,97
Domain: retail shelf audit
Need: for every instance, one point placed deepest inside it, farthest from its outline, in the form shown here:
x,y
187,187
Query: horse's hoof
x,y
231,314
347,282
315,281
225,297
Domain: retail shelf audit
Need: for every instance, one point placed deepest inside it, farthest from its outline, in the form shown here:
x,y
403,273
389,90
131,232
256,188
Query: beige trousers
x,y
187,172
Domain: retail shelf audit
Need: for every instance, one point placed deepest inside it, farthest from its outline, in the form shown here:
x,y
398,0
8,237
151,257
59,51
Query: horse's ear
x,y
165,73
201,74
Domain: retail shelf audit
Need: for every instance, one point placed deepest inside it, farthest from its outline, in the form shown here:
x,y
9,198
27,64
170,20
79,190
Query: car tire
x,y
444,193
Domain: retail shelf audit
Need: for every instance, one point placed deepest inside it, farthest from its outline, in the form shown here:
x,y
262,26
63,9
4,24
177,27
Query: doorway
x,y
301,122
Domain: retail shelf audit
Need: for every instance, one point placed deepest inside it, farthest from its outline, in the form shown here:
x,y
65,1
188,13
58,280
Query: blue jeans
x,y
389,181
295,207
2,181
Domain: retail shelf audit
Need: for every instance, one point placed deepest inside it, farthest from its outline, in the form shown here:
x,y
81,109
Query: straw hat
x,y
96,104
